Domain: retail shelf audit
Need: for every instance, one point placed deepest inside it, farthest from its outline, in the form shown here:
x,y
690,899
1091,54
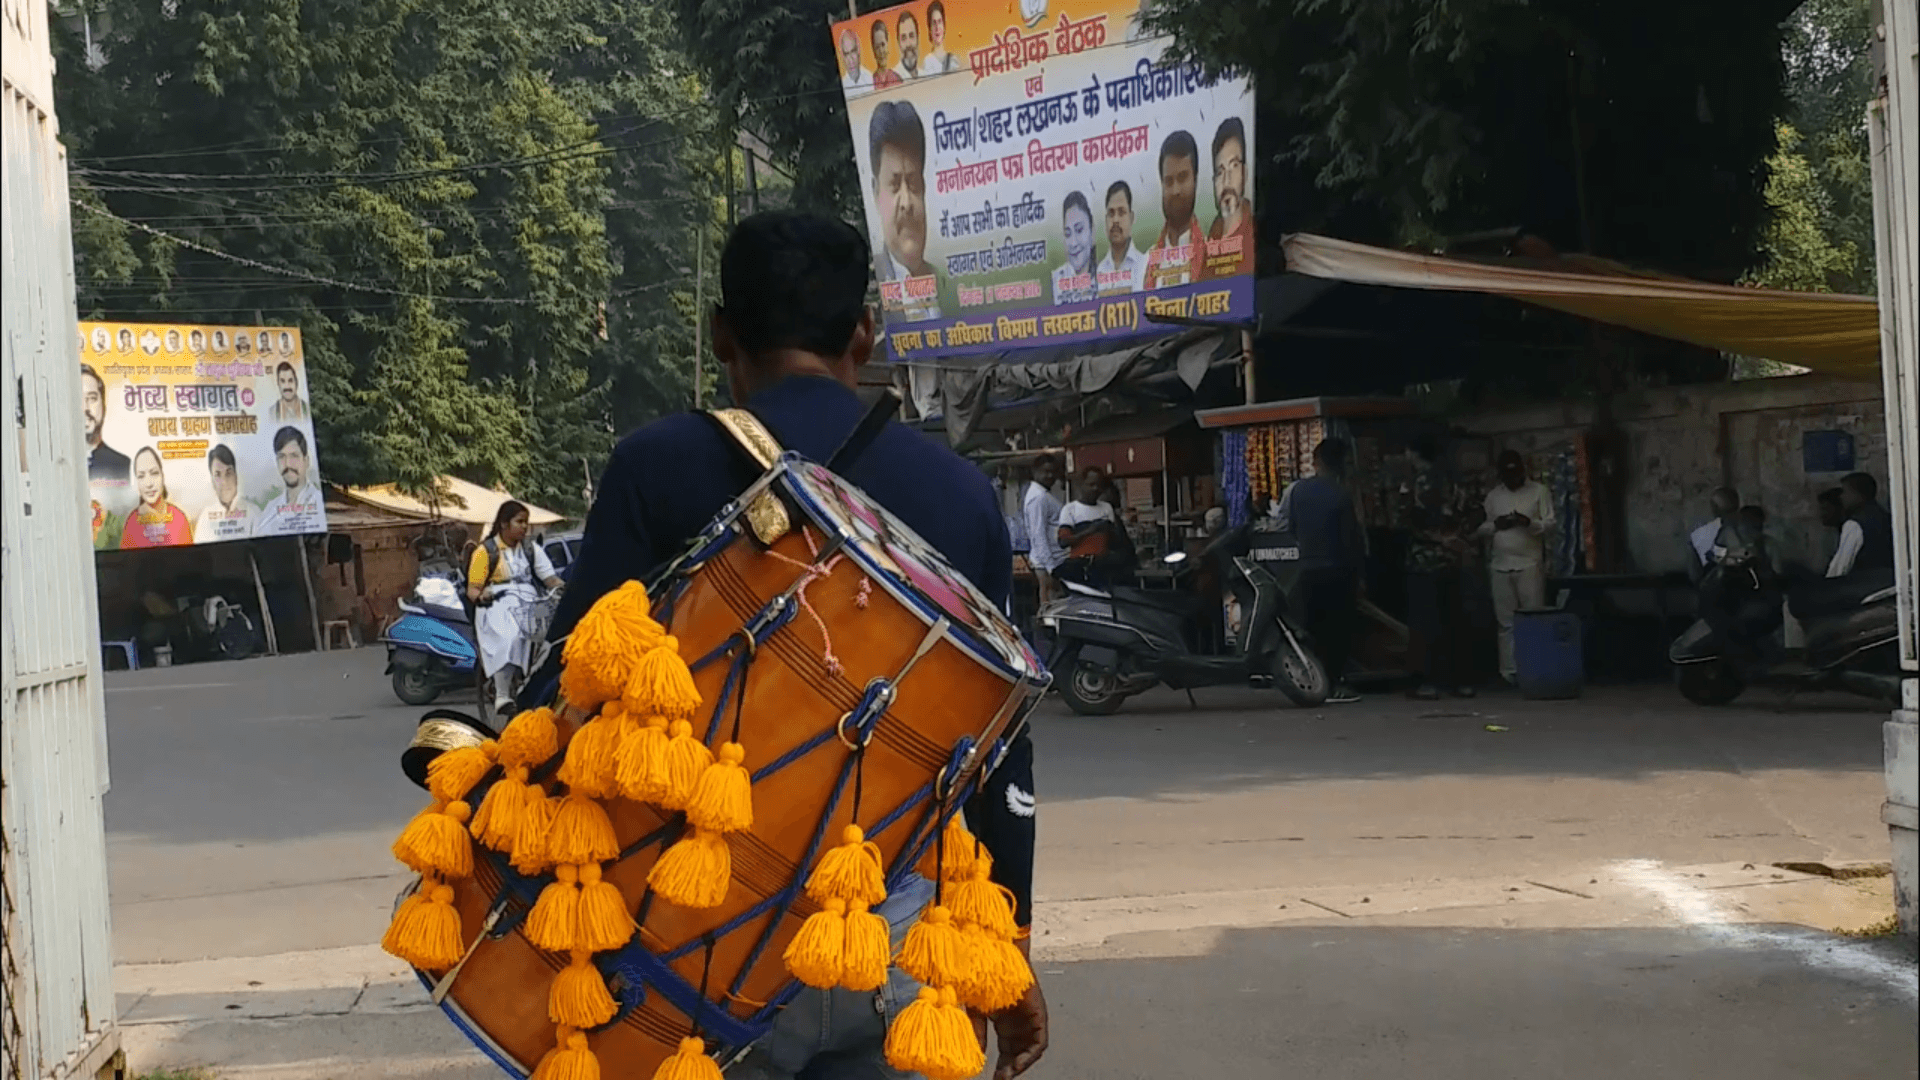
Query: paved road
x,y
1383,888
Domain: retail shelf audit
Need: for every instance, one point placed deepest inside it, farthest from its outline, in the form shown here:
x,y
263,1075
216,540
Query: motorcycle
x,y
432,647
1111,644
1722,653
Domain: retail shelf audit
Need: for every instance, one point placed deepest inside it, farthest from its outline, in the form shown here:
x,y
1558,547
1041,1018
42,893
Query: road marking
x,y
1703,911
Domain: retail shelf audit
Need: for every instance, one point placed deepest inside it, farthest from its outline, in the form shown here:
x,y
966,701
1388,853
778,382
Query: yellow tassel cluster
x,y
934,1037
603,650
844,944
572,1059
502,822
962,952
690,1062
425,931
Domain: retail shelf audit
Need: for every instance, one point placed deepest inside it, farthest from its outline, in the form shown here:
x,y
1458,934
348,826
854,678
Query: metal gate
x,y
58,1015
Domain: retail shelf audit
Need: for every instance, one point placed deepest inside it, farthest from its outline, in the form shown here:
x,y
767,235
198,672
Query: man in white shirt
x,y
1726,503
1085,531
228,517
299,508
855,81
1519,511
1041,509
1124,270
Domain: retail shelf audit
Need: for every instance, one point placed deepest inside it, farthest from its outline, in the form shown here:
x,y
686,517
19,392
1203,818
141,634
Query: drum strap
x,y
750,435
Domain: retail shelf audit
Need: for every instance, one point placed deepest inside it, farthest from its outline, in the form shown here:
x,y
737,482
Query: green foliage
x,y
1600,127
1819,236
1798,246
511,187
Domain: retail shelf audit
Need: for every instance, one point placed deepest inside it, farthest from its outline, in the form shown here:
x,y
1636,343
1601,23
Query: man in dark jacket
x,y
1319,511
792,330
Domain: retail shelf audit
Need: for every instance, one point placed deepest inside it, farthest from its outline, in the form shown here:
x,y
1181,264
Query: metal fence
x,y
58,1013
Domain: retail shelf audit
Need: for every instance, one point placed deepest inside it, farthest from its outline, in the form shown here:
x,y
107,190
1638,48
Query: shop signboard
x,y
197,434
1038,174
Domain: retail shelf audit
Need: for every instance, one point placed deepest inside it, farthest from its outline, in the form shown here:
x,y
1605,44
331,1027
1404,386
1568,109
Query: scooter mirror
x,y
1175,557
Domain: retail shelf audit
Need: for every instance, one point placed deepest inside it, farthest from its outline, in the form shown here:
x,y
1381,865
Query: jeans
x,y
1327,604
841,1034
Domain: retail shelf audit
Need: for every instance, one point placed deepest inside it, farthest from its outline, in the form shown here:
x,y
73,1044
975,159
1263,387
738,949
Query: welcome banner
x,y
1035,174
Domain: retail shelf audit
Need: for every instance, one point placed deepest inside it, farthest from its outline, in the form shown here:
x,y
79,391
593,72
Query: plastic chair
x,y
130,648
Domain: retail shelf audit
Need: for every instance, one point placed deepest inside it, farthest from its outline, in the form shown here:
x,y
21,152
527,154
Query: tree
x,y
464,204
1601,127
1820,186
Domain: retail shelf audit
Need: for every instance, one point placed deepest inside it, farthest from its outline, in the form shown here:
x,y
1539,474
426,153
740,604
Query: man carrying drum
x,y
792,329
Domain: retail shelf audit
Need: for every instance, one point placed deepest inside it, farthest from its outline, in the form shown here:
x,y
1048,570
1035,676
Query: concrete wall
x,y
1685,441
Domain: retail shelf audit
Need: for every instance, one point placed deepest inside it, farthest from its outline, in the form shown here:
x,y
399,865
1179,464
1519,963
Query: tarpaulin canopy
x,y
459,501
1830,333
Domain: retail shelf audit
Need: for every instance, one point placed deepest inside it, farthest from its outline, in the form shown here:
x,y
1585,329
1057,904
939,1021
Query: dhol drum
x,y
748,753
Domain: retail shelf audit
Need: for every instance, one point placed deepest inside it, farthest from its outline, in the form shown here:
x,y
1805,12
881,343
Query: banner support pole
x,y
260,592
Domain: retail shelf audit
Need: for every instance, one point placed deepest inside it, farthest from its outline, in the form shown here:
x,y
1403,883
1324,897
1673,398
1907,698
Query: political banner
x,y
197,434
1034,173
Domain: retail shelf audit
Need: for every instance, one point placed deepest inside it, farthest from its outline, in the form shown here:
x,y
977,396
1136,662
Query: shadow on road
x,y
1334,1003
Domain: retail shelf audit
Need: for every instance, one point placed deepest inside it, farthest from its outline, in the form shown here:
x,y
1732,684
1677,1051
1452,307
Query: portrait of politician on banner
x,y
197,434
1036,175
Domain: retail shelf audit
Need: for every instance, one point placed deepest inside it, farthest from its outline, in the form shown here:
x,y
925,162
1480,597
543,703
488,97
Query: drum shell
x,y
791,696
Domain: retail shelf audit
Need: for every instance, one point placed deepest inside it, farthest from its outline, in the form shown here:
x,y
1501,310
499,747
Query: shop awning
x,y
1830,333
459,501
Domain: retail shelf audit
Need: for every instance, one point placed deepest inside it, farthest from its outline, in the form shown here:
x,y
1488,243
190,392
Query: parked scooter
x,y
1854,650
1111,644
432,647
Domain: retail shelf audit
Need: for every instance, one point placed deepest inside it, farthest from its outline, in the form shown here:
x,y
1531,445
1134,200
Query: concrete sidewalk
x,y
353,1012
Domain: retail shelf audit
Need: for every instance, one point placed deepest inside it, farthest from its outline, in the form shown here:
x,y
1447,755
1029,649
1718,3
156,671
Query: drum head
x,y
911,568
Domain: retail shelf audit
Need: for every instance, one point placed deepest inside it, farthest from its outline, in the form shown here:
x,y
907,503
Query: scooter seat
x,y
455,616
1180,603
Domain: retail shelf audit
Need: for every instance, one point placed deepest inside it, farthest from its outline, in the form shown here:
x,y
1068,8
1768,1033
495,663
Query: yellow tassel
x,y
959,852
590,765
999,975
662,683
581,832
454,773
501,813
817,954
934,1037
532,738
850,871
436,842
695,872
934,952
723,797
601,652
641,762
554,922
690,1062
579,997
983,901
869,943
687,758
426,929
530,843
571,1060
605,923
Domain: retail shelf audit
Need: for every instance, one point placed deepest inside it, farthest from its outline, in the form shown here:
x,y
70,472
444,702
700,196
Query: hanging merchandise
x,y
1233,476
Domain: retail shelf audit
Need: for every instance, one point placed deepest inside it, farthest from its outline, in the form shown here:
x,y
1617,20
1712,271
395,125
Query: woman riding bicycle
x,y
500,584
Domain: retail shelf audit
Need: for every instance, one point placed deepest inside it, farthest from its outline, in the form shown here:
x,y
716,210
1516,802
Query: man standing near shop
x,y
1319,511
1041,510
1519,512
1087,526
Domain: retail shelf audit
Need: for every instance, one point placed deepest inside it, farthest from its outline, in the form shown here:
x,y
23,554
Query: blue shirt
x,y
666,482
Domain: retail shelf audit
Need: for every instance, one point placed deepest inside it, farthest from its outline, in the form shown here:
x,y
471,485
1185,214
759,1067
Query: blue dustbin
x,y
1547,655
